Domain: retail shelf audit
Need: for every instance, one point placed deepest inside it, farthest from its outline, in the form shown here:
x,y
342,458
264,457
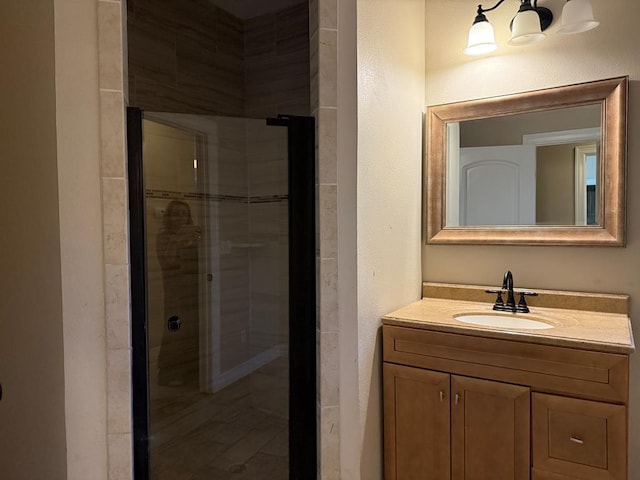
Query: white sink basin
x,y
503,321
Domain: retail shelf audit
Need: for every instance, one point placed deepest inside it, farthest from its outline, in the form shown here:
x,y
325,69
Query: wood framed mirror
x,y
538,168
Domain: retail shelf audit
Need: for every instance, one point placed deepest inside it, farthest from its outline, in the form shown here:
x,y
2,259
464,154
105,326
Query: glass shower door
x,y
216,229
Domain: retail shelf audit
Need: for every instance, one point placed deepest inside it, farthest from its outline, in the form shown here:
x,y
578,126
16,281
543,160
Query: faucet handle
x,y
522,303
528,294
499,303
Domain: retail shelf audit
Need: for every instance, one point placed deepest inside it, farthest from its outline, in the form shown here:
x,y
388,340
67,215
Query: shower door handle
x,y
174,323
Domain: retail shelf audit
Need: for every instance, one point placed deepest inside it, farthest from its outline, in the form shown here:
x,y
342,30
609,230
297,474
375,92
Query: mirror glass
x,y
542,167
538,168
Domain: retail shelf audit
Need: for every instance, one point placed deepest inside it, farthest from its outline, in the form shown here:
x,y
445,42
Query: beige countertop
x,y
583,329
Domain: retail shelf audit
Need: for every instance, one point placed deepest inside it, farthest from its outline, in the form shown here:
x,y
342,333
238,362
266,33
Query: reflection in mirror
x,y
541,167
528,169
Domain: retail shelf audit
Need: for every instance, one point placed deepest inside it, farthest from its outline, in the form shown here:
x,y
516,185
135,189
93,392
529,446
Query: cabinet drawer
x,y
578,438
549,369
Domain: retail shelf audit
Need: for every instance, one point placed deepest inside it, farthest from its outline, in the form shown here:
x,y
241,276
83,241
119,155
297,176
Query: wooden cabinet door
x,y
490,430
416,424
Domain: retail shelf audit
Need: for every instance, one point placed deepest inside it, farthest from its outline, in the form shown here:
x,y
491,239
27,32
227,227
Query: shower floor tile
x,y
219,436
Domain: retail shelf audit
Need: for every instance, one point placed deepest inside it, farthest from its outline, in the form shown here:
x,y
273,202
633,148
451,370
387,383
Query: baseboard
x,y
254,363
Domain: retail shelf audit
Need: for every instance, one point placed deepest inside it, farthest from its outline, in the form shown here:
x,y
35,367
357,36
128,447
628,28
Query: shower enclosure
x,y
222,223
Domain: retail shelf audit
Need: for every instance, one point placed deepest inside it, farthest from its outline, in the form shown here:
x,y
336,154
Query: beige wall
x,y
53,365
83,270
509,130
608,51
390,112
52,424
31,338
555,184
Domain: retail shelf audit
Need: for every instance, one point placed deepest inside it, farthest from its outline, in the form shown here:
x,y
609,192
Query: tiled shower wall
x,y
113,98
237,195
277,63
185,57
193,57
113,88
323,29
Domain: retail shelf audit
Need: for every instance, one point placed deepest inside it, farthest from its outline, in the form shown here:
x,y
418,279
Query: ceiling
x,y
245,9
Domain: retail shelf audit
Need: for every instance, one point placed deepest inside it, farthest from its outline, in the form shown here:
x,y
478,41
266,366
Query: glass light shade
x,y
481,39
526,28
577,16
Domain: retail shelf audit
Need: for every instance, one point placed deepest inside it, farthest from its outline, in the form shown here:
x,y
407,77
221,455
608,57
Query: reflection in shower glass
x,y
217,253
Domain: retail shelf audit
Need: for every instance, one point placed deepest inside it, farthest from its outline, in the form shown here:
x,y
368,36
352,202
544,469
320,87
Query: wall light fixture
x,y
528,25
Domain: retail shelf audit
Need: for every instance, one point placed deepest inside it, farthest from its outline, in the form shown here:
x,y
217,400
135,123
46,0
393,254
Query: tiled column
x,y
113,93
323,51
112,74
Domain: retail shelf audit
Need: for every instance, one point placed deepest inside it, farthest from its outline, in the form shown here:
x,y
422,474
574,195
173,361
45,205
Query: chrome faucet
x,y
510,304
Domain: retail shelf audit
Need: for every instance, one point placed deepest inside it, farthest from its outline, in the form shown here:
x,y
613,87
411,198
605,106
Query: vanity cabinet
x,y
440,426
466,407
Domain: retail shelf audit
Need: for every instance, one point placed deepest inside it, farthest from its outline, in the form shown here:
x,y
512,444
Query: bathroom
x,y
392,59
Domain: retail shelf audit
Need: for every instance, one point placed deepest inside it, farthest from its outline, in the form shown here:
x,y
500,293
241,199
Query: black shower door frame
x,y
302,295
